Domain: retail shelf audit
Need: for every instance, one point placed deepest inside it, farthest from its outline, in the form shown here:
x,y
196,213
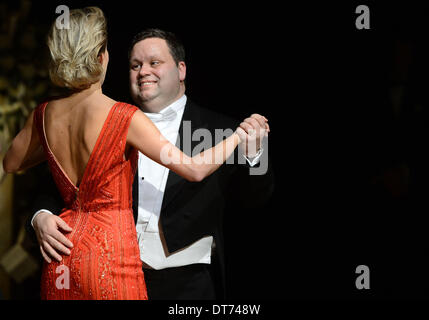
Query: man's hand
x,y
52,242
256,127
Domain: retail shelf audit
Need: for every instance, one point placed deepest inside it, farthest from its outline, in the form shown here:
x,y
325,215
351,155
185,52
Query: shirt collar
x,y
170,112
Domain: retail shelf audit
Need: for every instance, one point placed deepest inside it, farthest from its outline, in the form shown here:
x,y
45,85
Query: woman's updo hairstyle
x,y
74,51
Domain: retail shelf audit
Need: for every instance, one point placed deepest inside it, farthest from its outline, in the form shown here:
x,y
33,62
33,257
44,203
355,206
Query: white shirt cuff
x,y
34,216
254,160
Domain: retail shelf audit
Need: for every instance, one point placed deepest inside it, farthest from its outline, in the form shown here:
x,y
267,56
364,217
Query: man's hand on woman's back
x,y
49,230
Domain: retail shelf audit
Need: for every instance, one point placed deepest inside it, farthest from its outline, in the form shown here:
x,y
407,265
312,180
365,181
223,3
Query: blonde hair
x,y
74,51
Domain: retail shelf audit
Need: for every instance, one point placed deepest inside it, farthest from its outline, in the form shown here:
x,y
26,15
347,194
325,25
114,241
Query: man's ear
x,y
182,70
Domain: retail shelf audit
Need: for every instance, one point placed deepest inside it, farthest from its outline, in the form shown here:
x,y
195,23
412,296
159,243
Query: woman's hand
x,y
251,132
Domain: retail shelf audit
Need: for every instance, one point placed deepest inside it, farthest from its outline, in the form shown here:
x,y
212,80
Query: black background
x,y
350,172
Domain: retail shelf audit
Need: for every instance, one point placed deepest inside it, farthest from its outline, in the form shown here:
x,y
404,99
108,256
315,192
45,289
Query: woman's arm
x,y
25,150
145,136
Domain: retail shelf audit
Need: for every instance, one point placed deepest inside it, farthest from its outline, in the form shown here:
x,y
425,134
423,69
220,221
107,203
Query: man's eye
x,y
135,66
154,63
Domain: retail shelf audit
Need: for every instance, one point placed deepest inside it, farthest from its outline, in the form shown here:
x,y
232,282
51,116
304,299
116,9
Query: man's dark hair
x,y
176,47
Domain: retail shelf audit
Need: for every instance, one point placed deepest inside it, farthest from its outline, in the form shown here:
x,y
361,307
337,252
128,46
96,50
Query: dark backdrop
x,y
348,113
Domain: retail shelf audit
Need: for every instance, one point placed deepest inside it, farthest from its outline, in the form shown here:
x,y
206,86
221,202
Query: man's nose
x,y
144,70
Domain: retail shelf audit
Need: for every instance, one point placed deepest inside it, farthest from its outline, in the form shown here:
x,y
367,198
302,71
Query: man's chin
x,y
146,98
148,93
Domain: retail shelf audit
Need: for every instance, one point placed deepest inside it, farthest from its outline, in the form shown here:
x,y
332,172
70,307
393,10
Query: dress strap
x,y
114,136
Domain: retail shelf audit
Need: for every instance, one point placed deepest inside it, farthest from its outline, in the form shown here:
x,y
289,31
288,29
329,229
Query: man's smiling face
x,y
155,79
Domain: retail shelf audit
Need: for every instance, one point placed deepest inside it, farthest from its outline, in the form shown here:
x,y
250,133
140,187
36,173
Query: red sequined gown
x,y
105,261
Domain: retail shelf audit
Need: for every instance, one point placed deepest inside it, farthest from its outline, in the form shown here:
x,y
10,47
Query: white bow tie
x,y
168,115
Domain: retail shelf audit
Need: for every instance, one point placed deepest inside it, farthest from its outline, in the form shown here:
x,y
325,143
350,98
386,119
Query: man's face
x,y
155,79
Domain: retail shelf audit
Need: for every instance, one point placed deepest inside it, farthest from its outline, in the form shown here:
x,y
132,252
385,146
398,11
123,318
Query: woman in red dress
x,y
90,142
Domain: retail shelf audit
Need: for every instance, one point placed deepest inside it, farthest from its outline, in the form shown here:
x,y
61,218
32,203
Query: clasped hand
x,y
251,132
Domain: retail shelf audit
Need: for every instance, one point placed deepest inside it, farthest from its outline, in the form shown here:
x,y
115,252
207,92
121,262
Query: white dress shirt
x,y
152,181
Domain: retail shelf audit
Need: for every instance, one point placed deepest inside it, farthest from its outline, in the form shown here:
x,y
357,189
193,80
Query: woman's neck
x,y
93,91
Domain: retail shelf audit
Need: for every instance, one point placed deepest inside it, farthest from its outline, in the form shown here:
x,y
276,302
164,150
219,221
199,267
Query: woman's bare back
x,y
72,126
